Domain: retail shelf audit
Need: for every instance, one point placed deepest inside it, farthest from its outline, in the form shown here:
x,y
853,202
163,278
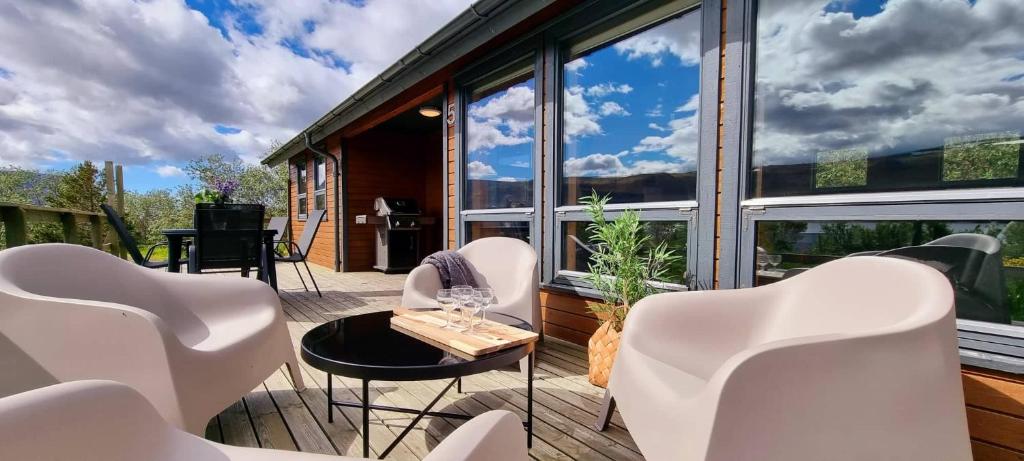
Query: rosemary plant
x,y
623,260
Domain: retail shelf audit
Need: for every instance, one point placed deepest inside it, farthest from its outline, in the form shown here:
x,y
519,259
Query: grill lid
x,y
390,206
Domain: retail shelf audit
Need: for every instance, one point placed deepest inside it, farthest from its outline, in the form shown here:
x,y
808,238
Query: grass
x,y
160,254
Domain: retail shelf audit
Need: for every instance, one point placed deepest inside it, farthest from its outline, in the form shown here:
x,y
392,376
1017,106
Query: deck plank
x,y
275,415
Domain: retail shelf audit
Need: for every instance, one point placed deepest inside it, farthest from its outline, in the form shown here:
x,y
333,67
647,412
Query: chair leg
x,y
312,279
296,373
604,415
296,266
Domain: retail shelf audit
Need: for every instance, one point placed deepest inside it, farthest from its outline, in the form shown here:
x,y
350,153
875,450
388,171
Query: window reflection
x,y
984,259
576,242
870,95
630,116
500,132
512,229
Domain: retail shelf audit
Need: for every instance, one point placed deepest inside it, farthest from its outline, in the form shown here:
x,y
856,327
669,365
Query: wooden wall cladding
x,y
995,414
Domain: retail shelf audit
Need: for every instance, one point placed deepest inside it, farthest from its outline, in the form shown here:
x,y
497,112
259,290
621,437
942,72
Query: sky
x,y
153,84
885,77
629,108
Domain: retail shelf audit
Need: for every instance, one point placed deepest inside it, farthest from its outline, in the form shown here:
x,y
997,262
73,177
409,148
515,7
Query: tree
x,y
256,183
20,185
83,188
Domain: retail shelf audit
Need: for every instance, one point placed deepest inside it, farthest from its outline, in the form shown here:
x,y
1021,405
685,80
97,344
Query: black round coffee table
x,y
365,347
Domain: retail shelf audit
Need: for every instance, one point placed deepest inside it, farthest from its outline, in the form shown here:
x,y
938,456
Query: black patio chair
x,y
228,236
130,244
279,224
297,251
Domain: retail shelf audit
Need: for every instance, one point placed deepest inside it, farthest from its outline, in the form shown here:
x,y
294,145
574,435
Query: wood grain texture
x,y
487,337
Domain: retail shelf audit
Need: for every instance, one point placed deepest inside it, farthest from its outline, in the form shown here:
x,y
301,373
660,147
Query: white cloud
x,y
507,179
169,171
520,164
612,108
607,165
480,170
576,65
144,82
655,111
604,89
656,127
579,119
681,143
679,38
691,104
505,120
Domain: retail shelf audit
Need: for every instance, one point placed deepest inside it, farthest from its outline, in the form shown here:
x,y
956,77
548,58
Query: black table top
x,y
366,347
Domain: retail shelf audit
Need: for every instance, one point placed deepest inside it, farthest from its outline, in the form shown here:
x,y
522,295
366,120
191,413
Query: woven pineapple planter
x,y
601,350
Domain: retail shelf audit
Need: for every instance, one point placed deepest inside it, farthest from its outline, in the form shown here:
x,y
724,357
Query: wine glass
x,y
447,303
462,294
774,260
469,310
762,261
486,295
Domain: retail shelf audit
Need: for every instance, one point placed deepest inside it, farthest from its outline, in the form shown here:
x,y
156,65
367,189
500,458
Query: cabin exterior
x,y
769,128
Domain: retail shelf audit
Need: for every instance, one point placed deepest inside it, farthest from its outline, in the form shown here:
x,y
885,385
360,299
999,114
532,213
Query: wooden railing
x,y
16,217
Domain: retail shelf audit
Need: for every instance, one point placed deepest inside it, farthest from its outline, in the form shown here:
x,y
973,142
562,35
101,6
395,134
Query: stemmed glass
x,y
774,260
462,294
486,295
762,261
447,303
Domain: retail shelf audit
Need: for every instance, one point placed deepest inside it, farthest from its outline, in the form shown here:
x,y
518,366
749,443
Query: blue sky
x,y
154,84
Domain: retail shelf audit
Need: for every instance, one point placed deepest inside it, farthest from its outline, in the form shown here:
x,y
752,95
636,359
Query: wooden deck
x,y
274,415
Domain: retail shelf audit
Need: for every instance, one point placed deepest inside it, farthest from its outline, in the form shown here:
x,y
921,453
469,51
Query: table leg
x,y
173,253
270,266
330,398
529,402
366,418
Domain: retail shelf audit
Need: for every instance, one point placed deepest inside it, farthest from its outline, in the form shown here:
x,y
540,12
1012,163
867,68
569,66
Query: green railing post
x,y
14,226
67,222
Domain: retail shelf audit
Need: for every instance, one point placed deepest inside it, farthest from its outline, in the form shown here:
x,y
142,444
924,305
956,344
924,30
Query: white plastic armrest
x,y
228,295
493,436
420,288
88,420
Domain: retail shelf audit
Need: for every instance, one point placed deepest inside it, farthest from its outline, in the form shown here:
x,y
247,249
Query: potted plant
x,y
623,261
220,194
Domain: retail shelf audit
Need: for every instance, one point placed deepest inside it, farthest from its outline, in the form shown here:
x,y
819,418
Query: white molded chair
x,y
853,360
507,265
191,344
109,421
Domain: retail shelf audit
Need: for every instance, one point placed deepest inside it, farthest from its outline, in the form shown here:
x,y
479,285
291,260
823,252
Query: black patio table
x,y
267,273
365,347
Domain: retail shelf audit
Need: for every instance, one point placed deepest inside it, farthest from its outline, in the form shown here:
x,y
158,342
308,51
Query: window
x,y
320,183
629,116
872,130
575,256
788,247
512,229
629,128
301,186
861,97
500,151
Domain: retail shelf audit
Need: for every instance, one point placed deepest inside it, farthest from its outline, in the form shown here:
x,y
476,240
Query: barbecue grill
x,y
399,224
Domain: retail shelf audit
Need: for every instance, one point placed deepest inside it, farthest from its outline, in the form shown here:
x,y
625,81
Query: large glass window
x,y
576,246
500,121
875,95
983,259
630,113
301,185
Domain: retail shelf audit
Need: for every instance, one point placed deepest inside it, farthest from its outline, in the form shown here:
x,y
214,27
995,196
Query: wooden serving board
x,y
487,337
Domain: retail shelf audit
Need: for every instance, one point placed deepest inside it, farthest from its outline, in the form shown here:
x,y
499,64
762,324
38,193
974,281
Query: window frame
x,y
501,62
302,188
982,344
700,221
317,193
